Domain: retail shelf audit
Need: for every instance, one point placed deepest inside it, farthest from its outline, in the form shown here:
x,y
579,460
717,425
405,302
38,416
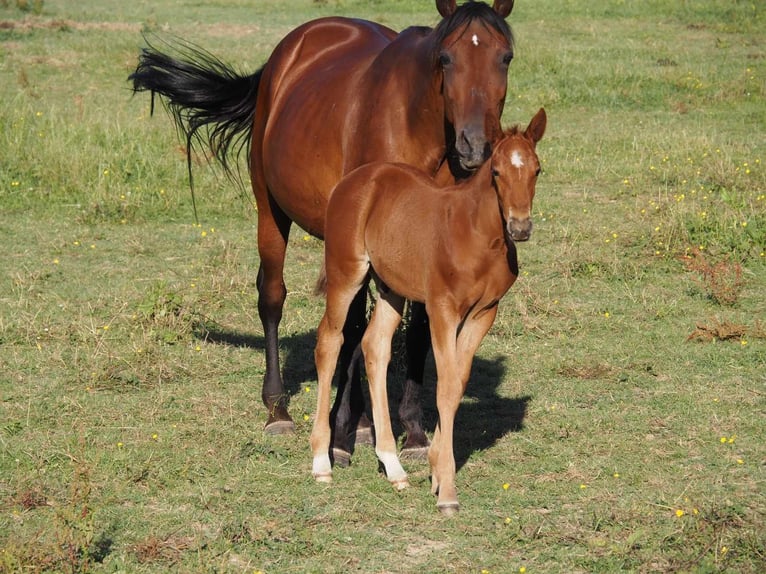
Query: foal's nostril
x,y
520,229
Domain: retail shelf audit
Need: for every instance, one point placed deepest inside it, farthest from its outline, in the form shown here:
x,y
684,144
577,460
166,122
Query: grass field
x,y
615,416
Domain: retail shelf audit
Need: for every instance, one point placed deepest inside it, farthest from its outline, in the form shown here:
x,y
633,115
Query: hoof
x,y
414,453
448,508
341,458
400,484
324,477
280,427
363,435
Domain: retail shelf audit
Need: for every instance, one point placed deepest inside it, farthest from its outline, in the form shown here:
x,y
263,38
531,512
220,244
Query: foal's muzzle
x,y
519,229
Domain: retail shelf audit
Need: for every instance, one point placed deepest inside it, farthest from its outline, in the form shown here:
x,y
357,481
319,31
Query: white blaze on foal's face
x,y
475,40
516,160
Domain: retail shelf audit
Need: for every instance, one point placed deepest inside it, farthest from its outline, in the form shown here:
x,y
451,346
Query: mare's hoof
x,y
280,427
323,477
448,508
414,453
362,435
340,457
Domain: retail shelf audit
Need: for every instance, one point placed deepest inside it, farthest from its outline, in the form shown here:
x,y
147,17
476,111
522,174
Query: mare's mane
x,y
462,16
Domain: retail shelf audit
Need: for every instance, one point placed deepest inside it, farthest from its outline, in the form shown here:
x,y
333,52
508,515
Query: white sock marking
x,y
394,470
321,466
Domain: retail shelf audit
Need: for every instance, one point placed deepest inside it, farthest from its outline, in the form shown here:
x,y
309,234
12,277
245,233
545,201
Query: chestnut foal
x,y
451,248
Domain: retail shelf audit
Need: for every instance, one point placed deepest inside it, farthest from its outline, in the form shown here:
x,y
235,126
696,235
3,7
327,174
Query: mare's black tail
x,y
210,102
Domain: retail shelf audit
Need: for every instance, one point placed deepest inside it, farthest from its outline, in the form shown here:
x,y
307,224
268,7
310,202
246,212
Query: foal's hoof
x,y
448,508
414,453
279,427
400,484
323,477
340,457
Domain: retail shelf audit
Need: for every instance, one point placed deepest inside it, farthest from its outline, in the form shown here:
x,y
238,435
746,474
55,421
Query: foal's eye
x,y
507,58
495,173
539,171
445,59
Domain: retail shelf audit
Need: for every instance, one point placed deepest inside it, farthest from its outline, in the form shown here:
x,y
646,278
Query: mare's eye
x,y
507,58
445,59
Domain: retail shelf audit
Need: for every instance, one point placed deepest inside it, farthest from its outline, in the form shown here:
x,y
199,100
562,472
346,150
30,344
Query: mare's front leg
x,y
273,232
376,345
418,343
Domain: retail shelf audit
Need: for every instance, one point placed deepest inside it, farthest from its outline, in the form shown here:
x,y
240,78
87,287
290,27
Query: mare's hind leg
x,y
273,232
418,342
377,354
342,287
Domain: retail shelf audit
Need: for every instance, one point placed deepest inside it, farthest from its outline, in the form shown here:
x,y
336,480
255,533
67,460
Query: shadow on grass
x,y
296,352
483,419
484,416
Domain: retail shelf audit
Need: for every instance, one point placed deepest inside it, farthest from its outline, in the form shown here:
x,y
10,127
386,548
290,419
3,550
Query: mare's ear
x,y
503,7
447,7
536,127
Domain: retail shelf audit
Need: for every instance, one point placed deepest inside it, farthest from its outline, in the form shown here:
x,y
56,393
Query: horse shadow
x,y
296,352
484,416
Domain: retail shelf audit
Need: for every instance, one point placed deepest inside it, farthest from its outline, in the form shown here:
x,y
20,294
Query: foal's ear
x,y
447,7
536,127
503,7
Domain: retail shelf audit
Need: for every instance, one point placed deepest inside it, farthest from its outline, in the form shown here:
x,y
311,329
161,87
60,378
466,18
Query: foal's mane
x,y
462,16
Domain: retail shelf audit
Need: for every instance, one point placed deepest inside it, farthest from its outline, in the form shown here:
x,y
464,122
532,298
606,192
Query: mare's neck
x,y
410,94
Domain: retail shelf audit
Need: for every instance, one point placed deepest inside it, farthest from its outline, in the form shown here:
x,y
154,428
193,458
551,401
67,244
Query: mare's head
x,y
473,49
515,168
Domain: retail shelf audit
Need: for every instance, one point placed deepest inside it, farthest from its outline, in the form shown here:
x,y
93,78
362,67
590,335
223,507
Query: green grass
x,y
595,435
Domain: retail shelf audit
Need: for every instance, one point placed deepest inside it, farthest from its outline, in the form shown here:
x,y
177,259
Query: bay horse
x,y
356,92
450,248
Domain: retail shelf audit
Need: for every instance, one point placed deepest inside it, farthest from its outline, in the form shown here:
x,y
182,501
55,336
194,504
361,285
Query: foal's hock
x,y
450,248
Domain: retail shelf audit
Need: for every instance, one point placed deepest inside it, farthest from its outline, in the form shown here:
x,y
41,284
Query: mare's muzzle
x,y
519,229
472,148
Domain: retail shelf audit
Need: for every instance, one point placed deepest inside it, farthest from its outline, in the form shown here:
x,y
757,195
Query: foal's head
x,y
515,168
473,49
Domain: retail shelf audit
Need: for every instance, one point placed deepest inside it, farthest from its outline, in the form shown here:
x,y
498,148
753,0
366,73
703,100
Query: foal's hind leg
x,y
348,410
418,341
377,354
273,232
341,289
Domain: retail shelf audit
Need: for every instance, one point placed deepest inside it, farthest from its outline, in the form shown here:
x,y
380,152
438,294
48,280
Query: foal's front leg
x,y
376,345
454,356
449,390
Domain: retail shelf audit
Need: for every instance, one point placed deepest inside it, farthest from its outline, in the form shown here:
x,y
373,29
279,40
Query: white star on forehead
x,y
516,160
475,40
